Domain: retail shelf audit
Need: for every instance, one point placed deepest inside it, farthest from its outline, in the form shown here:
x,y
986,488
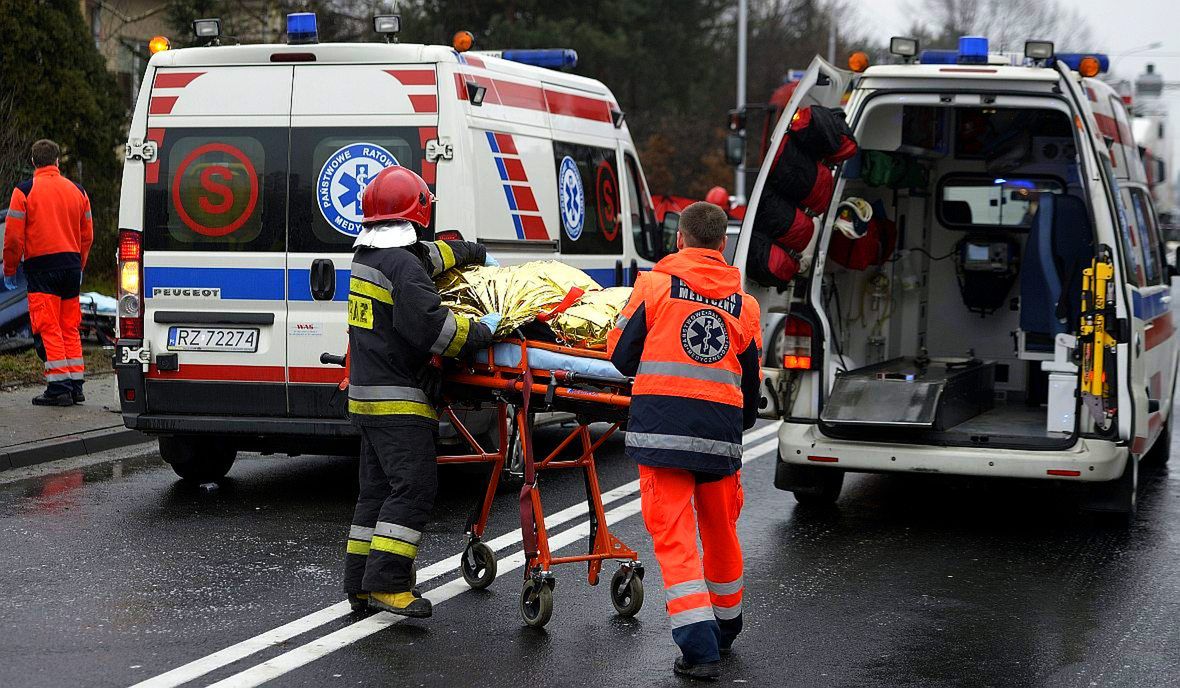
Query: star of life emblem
x,y
342,182
704,336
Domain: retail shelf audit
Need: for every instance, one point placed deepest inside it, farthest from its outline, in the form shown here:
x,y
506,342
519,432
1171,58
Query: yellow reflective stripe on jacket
x,y
463,326
358,547
385,544
359,286
448,255
391,408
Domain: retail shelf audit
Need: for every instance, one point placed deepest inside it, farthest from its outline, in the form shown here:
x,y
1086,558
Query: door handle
x,y
634,273
323,279
619,276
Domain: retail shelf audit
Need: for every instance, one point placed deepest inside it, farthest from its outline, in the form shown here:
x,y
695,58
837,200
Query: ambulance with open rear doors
x,y
242,188
1017,322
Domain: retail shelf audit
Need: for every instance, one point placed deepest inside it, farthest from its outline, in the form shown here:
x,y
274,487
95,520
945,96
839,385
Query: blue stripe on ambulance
x,y
255,284
299,285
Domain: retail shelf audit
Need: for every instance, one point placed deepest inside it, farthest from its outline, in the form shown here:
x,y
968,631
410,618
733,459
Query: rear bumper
x,y
1093,460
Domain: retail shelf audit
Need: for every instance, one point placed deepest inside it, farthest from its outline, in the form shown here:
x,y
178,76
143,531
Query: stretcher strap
x,y
528,522
570,299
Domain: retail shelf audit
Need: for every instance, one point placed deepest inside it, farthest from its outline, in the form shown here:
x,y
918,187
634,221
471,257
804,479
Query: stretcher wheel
x,y
626,596
478,565
536,603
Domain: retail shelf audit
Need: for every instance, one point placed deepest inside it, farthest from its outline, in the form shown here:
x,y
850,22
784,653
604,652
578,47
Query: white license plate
x,y
242,339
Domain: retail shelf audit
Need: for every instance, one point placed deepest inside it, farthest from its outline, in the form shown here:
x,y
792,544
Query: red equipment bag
x,y
797,177
781,233
823,134
874,248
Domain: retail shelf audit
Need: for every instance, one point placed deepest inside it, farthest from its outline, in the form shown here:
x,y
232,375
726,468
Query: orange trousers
x,y
704,602
55,322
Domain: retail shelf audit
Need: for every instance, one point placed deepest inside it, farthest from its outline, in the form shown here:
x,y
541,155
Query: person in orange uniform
x,y
50,227
691,339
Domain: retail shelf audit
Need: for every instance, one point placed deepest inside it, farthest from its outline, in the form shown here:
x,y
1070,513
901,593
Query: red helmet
x,y
718,196
396,193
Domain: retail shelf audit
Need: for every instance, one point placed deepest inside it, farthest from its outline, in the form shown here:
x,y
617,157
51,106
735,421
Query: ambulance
x,y
1017,323
241,199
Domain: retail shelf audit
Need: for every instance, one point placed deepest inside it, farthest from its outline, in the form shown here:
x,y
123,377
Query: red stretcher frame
x,y
519,386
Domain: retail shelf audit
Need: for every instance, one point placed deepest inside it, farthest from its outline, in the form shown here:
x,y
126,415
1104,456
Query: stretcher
x,y
521,378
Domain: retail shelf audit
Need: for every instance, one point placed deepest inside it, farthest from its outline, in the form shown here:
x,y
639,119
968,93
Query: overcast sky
x,y
1118,27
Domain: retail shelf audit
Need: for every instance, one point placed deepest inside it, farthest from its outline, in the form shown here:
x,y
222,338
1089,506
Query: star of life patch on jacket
x,y
704,336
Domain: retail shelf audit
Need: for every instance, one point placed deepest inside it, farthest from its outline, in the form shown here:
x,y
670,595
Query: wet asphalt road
x,y
115,573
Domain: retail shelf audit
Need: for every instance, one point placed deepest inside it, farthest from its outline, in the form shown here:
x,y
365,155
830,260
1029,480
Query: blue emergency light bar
x,y
553,58
1074,60
973,50
301,28
939,57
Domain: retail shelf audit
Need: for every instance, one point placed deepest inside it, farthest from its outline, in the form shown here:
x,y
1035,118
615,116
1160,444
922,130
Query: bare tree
x,y
1006,23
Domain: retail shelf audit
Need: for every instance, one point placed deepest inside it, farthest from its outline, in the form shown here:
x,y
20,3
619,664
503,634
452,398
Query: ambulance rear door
x,y
348,122
215,209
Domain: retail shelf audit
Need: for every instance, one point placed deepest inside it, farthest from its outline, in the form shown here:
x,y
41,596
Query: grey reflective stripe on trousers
x,y
435,256
387,393
373,275
691,616
89,215
728,613
690,371
649,440
725,588
74,376
16,214
363,533
446,335
75,361
393,530
50,365
675,592
57,377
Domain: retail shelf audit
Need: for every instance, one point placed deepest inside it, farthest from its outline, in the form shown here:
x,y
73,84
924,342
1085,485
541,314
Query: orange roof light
x,y
1089,66
858,61
158,44
462,41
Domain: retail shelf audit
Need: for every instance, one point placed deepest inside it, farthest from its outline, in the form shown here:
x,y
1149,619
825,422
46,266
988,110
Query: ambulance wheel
x,y
478,565
626,596
197,459
1116,502
536,603
822,488
1161,451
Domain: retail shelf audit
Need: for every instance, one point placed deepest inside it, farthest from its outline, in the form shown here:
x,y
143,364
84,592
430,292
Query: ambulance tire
x,y
1117,502
197,459
824,490
1161,451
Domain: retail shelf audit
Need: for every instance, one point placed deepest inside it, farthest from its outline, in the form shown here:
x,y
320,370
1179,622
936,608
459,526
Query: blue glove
x,y
490,262
9,283
492,320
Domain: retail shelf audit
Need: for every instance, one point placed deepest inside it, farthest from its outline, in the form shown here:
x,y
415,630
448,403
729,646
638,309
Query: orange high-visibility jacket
x,y
49,224
692,339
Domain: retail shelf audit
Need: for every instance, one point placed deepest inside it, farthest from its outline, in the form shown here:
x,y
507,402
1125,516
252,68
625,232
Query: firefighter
x,y
691,338
397,323
50,227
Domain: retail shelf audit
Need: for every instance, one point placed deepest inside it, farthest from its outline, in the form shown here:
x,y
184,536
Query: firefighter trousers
x,y
55,318
704,602
398,479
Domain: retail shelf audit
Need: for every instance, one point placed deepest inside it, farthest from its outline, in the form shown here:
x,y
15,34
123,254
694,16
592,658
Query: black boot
x,y
48,399
709,671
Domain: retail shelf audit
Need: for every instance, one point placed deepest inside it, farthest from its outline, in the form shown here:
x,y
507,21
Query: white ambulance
x,y
241,199
980,344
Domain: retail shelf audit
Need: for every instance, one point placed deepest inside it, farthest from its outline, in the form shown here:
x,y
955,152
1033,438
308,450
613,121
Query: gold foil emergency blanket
x,y
587,322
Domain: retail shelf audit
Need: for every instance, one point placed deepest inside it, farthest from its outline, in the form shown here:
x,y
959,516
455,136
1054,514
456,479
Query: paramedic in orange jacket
x,y
49,227
691,338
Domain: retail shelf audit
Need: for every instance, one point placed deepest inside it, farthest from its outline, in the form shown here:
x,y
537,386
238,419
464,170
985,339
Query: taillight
x,y
795,344
130,284
449,235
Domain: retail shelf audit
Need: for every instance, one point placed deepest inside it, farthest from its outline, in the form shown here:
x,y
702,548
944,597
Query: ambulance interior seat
x,y
1060,245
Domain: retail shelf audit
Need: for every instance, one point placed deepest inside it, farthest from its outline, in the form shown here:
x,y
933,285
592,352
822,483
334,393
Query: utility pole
x,y
831,39
739,174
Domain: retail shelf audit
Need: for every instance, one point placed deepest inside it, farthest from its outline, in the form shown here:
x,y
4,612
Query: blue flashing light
x,y
301,28
553,58
946,57
1074,60
973,50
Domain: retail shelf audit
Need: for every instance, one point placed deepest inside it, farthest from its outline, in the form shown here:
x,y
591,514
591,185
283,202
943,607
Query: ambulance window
x,y
329,169
588,199
969,202
643,217
223,190
1148,237
1132,244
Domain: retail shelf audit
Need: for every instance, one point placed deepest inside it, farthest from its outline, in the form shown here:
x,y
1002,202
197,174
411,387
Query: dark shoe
x,y
47,399
359,601
709,671
79,398
726,650
402,604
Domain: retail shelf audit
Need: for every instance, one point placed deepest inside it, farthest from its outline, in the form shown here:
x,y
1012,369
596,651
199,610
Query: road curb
x,y
69,446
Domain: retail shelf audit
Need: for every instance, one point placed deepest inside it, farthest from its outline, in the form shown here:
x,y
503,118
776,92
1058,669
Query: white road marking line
x,y
238,651
339,639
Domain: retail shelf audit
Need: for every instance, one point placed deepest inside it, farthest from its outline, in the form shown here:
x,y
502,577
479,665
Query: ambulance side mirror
x,y
735,148
668,231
